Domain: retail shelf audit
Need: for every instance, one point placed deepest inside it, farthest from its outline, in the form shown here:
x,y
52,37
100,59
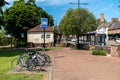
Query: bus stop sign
x,y
44,22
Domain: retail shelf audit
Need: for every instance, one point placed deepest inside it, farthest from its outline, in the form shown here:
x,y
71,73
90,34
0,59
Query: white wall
x,y
35,37
103,31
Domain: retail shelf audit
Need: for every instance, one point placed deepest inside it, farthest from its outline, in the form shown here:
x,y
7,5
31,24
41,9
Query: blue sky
x,y
58,8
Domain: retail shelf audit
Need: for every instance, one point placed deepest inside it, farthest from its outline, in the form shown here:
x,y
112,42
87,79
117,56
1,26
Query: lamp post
x,y
78,3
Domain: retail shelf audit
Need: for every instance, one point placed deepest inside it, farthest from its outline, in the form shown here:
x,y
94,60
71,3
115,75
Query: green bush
x,y
18,43
4,41
99,52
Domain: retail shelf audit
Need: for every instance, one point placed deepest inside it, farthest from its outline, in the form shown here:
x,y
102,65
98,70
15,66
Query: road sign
x,y
44,22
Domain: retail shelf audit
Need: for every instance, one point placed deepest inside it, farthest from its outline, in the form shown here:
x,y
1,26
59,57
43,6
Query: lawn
x,y
6,55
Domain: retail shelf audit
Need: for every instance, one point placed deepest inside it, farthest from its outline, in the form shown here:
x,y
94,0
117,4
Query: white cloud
x,y
107,8
9,0
55,2
58,2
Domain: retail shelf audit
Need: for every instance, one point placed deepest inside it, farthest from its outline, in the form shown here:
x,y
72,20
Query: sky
x,y
58,8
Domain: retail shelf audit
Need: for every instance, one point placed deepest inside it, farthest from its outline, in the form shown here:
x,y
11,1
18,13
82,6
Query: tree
x,y
3,38
1,22
64,25
32,2
2,3
77,22
21,17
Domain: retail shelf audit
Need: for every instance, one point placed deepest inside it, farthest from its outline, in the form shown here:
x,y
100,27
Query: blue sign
x,y
44,22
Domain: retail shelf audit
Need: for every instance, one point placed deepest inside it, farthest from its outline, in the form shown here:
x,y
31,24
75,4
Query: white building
x,y
36,35
103,29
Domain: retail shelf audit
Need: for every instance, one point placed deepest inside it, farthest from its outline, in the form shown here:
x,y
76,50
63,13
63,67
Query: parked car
x,y
117,40
74,39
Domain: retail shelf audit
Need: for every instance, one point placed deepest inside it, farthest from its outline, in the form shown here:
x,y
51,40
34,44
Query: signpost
x,y
44,24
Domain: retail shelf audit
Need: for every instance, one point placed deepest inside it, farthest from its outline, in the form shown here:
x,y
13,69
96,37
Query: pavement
x,y
70,64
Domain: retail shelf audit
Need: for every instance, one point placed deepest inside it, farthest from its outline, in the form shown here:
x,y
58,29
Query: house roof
x,y
39,29
103,25
115,25
99,23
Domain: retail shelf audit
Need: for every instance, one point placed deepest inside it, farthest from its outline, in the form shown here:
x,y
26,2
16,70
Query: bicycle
x,y
46,57
39,59
21,61
31,60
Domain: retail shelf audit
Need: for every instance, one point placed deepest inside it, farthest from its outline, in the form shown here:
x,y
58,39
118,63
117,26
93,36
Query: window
x,y
48,36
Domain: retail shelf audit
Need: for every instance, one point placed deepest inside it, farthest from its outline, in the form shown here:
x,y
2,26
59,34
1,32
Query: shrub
x,y
4,41
18,43
99,52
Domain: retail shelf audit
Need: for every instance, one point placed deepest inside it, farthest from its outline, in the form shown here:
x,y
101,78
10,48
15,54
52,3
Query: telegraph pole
x,y
78,3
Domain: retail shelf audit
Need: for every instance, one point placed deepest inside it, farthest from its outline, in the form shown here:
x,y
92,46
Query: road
x,y
72,64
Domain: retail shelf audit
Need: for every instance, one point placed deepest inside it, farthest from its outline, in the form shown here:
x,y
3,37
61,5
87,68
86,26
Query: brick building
x,y
114,29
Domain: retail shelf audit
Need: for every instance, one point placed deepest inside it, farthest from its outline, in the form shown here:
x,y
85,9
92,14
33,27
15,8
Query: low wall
x,y
91,47
31,44
107,49
114,50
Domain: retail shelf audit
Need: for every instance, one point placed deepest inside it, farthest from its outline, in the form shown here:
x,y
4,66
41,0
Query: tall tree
x,y
2,3
77,22
2,37
19,1
21,17
32,2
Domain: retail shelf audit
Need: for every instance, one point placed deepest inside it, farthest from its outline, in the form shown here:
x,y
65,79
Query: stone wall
x,y
91,47
113,50
107,49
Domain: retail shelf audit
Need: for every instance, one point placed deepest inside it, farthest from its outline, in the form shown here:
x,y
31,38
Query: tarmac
x,y
70,64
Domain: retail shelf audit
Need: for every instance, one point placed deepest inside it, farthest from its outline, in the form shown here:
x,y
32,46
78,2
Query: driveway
x,y
72,64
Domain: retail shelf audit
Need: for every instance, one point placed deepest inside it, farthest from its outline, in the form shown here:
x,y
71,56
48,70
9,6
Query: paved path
x,y
80,65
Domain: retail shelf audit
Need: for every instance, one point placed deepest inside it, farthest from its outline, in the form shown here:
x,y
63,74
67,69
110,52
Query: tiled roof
x,y
103,25
98,21
115,25
39,29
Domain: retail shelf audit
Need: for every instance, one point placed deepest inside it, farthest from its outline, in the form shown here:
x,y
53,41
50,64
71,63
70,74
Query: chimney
x,y
102,18
114,20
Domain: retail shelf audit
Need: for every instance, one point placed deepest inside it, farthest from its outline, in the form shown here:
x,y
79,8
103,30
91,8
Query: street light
x,y
78,3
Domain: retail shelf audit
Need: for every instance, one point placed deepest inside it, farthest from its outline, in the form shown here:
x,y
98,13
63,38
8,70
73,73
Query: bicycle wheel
x,y
47,57
24,60
31,65
16,64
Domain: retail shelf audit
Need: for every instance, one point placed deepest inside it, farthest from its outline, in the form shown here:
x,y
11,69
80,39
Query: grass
x,y
19,76
6,56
